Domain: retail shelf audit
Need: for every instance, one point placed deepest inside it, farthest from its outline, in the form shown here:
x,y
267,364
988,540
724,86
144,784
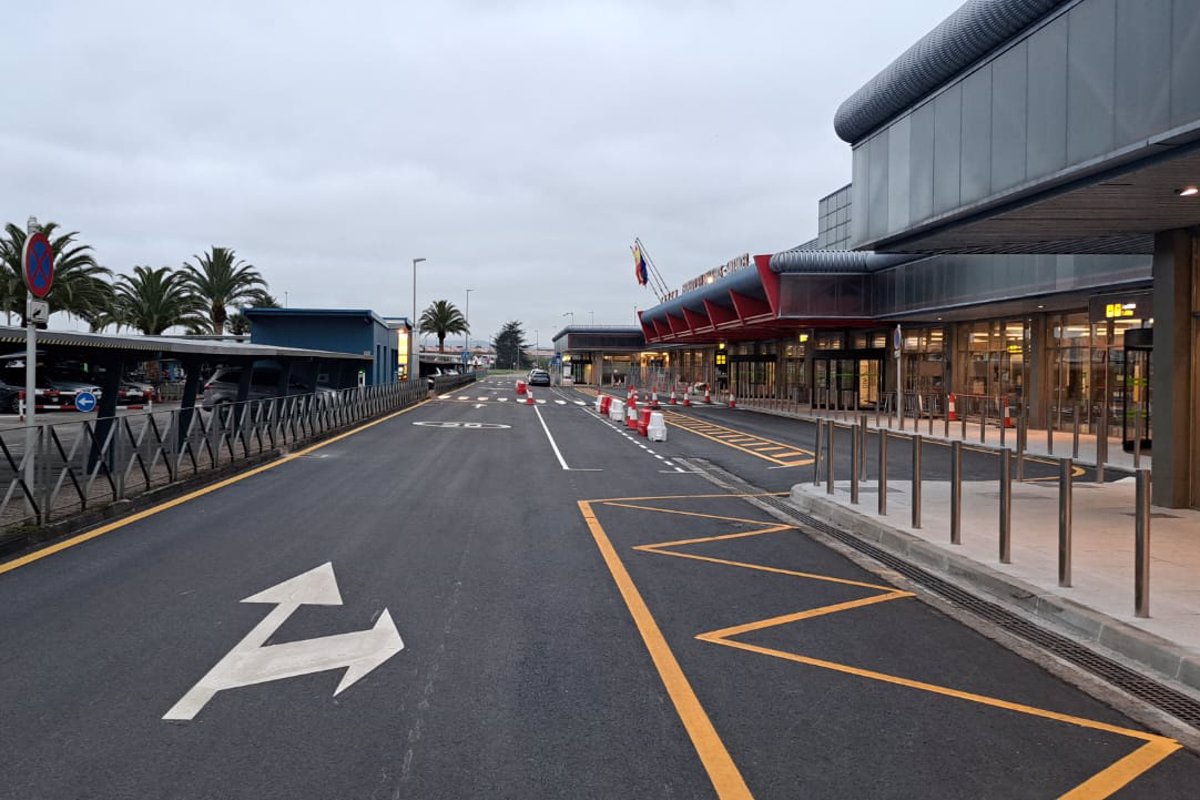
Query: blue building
x,y
341,330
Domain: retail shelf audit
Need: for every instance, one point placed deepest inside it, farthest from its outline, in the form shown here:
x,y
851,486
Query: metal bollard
x,y
945,416
916,480
956,493
855,458
1021,429
1137,436
1066,470
900,408
862,447
1049,436
883,437
983,421
829,460
820,433
930,416
1141,546
1075,432
1005,507
1101,445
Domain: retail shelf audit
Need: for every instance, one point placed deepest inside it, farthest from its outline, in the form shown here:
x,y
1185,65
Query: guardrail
x,y
57,470
829,431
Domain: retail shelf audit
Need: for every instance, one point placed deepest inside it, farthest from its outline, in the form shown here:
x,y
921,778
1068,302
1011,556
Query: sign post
x,y
37,265
897,351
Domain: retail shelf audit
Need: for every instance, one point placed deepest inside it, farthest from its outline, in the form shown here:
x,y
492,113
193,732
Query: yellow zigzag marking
x,y
1101,785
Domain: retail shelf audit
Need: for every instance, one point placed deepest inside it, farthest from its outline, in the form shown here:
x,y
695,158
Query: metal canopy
x,y
168,346
1116,212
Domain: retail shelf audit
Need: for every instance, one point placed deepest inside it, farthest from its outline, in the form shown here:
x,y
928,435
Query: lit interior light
x,y
1188,191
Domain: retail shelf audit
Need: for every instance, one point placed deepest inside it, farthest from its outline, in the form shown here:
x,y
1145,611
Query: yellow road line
x,y
58,547
1106,783
1101,785
727,437
724,774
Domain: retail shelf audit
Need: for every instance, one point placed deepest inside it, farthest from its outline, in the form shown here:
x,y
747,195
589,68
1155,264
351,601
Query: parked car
x,y
71,382
12,385
222,387
539,377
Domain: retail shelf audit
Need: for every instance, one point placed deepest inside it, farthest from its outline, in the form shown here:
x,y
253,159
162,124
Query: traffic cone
x,y
654,400
673,401
732,401
529,397
1008,423
951,411
687,398
707,396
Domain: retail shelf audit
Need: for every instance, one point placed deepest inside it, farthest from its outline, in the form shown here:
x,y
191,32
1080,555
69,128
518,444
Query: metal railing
x,y
1010,465
55,471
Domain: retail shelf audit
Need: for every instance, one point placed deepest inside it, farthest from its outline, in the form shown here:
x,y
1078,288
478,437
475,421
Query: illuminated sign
x,y
1119,310
728,268
722,359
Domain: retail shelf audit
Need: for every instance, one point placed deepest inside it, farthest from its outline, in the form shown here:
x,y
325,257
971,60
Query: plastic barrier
x,y
656,430
616,412
520,387
605,401
643,421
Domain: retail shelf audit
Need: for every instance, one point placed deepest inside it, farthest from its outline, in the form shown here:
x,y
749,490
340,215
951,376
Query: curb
x,y
1145,649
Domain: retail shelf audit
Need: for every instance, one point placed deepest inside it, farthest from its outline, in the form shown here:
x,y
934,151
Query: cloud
x,y
519,146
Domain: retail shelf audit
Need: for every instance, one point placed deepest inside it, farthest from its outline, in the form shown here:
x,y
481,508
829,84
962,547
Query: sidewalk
x,y
1100,604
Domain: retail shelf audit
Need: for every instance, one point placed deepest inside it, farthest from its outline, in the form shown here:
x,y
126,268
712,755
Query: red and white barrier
x,y
529,397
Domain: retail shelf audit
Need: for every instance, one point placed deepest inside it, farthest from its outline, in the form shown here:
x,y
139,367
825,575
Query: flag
x,y
639,266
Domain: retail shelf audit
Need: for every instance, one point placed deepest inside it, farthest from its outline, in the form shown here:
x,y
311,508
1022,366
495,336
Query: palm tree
x,y
152,300
443,318
80,284
221,280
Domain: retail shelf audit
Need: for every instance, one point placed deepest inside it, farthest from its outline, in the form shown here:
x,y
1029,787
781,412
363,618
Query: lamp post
x,y
537,342
416,325
467,335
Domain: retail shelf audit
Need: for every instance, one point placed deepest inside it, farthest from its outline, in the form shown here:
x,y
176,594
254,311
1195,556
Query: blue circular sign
x,y
38,264
85,402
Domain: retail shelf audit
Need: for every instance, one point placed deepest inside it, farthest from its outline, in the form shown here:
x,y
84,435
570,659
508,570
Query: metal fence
x,y
55,471
1010,465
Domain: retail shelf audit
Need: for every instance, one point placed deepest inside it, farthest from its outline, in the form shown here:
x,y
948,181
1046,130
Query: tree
x,y
81,286
221,280
152,300
239,324
510,345
443,318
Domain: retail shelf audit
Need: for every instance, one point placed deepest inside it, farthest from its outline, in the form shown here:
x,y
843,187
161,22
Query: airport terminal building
x,y
1021,224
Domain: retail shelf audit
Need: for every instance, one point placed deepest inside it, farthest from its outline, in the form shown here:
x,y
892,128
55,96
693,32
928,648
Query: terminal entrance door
x,y
849,379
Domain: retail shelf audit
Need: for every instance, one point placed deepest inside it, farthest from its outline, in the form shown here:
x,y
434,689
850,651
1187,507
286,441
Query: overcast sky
x,y
518,146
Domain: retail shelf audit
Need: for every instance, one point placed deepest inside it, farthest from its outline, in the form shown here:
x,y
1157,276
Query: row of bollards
x,y
824,467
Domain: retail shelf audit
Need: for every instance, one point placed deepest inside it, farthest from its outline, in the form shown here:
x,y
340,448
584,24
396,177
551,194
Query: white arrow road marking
x,y
249,662
478,405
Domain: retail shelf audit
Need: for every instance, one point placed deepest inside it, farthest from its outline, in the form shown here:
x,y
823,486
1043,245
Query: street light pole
x,y
467,335
416,327
537,343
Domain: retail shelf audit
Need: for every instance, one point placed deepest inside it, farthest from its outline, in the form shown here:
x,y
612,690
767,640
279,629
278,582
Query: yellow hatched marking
x,y
1101,785
739,440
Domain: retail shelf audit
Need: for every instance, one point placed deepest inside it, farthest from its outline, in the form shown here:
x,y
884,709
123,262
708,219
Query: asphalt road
x,y
559,639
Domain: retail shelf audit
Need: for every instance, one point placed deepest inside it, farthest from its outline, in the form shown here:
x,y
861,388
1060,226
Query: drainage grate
x,y
1145,689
